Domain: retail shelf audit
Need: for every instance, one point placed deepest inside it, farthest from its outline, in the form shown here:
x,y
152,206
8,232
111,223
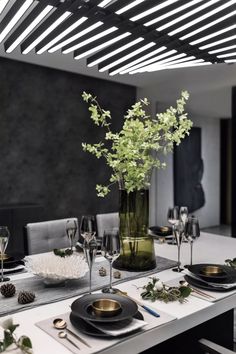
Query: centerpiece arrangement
x,y
132,154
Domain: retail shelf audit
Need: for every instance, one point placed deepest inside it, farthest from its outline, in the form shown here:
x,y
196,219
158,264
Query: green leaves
x,y
62,253
156,290
23,343
231,262
132,153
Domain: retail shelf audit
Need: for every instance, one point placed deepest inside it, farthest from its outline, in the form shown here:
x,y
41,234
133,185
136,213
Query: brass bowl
x,y
212,270
106,307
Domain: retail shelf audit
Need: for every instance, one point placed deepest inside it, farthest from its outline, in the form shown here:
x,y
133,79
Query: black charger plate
x,y
205,286
82,308
227,276
13,261
86,328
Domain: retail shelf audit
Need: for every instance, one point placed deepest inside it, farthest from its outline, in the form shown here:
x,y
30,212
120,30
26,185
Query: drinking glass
x,y
173,218
87,228
183,216
178,230
192,232
110,250
4,238
90,250
71,229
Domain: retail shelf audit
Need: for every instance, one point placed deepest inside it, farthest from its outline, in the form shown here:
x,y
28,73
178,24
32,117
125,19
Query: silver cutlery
x,y
59,323
63,335
185,283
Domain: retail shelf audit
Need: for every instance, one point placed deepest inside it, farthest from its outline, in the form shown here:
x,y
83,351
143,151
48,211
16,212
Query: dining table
x,y
180,324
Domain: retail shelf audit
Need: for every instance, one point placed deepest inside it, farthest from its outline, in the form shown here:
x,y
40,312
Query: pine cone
x,y
8,290
117,274
102,272
25,297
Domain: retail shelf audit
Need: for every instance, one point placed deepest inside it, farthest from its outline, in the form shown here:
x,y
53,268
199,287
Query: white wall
x,y
210,100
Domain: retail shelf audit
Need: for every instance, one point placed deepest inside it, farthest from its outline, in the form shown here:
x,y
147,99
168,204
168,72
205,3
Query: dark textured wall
x,y
43,122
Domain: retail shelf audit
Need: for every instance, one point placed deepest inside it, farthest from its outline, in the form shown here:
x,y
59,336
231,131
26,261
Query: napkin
x,y
215,285
116,329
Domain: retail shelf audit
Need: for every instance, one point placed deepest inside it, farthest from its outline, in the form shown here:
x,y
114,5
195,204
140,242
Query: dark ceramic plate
x,y
227,274
13,261
206,286
161,230
87,328
82,308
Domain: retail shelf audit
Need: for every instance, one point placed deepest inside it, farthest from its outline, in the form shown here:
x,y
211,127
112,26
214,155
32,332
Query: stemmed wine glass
x,y
173,218
71,229
192,232
183,216
88,232
178,230
110,250
4,238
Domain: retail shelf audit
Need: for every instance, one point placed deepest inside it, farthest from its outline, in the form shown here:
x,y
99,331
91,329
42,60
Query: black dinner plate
x,y
82,308
13,261
227,276
161,230
205,286
88,329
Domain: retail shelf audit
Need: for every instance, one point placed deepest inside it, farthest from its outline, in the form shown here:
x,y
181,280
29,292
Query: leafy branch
x,y
10,339
133,152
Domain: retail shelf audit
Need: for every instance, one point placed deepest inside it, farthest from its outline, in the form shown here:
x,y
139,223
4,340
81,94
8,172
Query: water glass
x,y
4,238
178,229
71,229
192,232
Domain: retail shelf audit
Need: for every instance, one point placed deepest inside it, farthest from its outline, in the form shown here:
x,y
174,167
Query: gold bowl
x,y
106,307
212,270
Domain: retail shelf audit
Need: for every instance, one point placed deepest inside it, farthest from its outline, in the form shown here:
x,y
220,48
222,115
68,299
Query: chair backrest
x,y
107,221
47,235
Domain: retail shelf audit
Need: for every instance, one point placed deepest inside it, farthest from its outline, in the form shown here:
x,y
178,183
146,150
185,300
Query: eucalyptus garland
x,y
156,290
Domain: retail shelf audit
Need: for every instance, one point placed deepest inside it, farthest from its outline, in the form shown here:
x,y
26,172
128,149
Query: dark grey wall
x,y
43,122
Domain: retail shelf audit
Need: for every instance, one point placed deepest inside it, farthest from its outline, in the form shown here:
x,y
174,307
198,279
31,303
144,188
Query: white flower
x,y
158,286
6,323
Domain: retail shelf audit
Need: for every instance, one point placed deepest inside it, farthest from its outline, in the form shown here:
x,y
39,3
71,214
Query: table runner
x,y
46,295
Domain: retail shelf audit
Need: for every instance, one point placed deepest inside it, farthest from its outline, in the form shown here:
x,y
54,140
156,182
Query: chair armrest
x,y
213,348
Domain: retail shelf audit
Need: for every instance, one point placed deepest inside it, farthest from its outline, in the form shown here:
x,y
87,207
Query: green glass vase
x,y
137,247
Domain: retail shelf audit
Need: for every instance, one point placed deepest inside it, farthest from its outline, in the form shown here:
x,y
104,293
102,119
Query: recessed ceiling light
x,y
124,69
222,49
178,66
208,25
212,35
16,17
173,12
217,42
114,52
33,24
46,32
203,17
184,62
104,3
101,46
130,55
153,9
62,35
233,54
230,61
76,36
89,40
129,6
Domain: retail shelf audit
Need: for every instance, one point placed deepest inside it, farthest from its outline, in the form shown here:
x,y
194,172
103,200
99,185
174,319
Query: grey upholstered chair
x,y
106,221
47,235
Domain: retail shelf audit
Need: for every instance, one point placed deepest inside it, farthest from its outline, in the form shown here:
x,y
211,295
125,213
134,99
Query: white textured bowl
x,y
54,269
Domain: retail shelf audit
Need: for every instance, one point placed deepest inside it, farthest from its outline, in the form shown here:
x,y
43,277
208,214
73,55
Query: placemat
x,y
46,295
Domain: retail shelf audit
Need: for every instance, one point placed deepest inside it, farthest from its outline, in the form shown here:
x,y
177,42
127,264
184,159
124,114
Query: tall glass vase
x,y
137,247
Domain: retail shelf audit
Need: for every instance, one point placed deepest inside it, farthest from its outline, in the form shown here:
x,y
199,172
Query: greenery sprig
x,y
156,290
231,262
135,151
23,343
62,253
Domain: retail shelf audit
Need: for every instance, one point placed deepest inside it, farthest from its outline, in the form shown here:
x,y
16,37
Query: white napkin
x,y
115,329
215,285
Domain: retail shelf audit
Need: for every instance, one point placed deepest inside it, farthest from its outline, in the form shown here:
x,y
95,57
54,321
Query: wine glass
x,y
4,238
192,232
90,250
110,250
173,218
87,228
183,216
71,229
178,230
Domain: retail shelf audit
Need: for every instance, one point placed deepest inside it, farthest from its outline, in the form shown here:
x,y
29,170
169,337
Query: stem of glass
x,y
90,278
2,277
191,253
178,258
110,287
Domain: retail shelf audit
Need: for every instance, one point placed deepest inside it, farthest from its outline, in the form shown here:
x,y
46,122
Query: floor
x,y
224,230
